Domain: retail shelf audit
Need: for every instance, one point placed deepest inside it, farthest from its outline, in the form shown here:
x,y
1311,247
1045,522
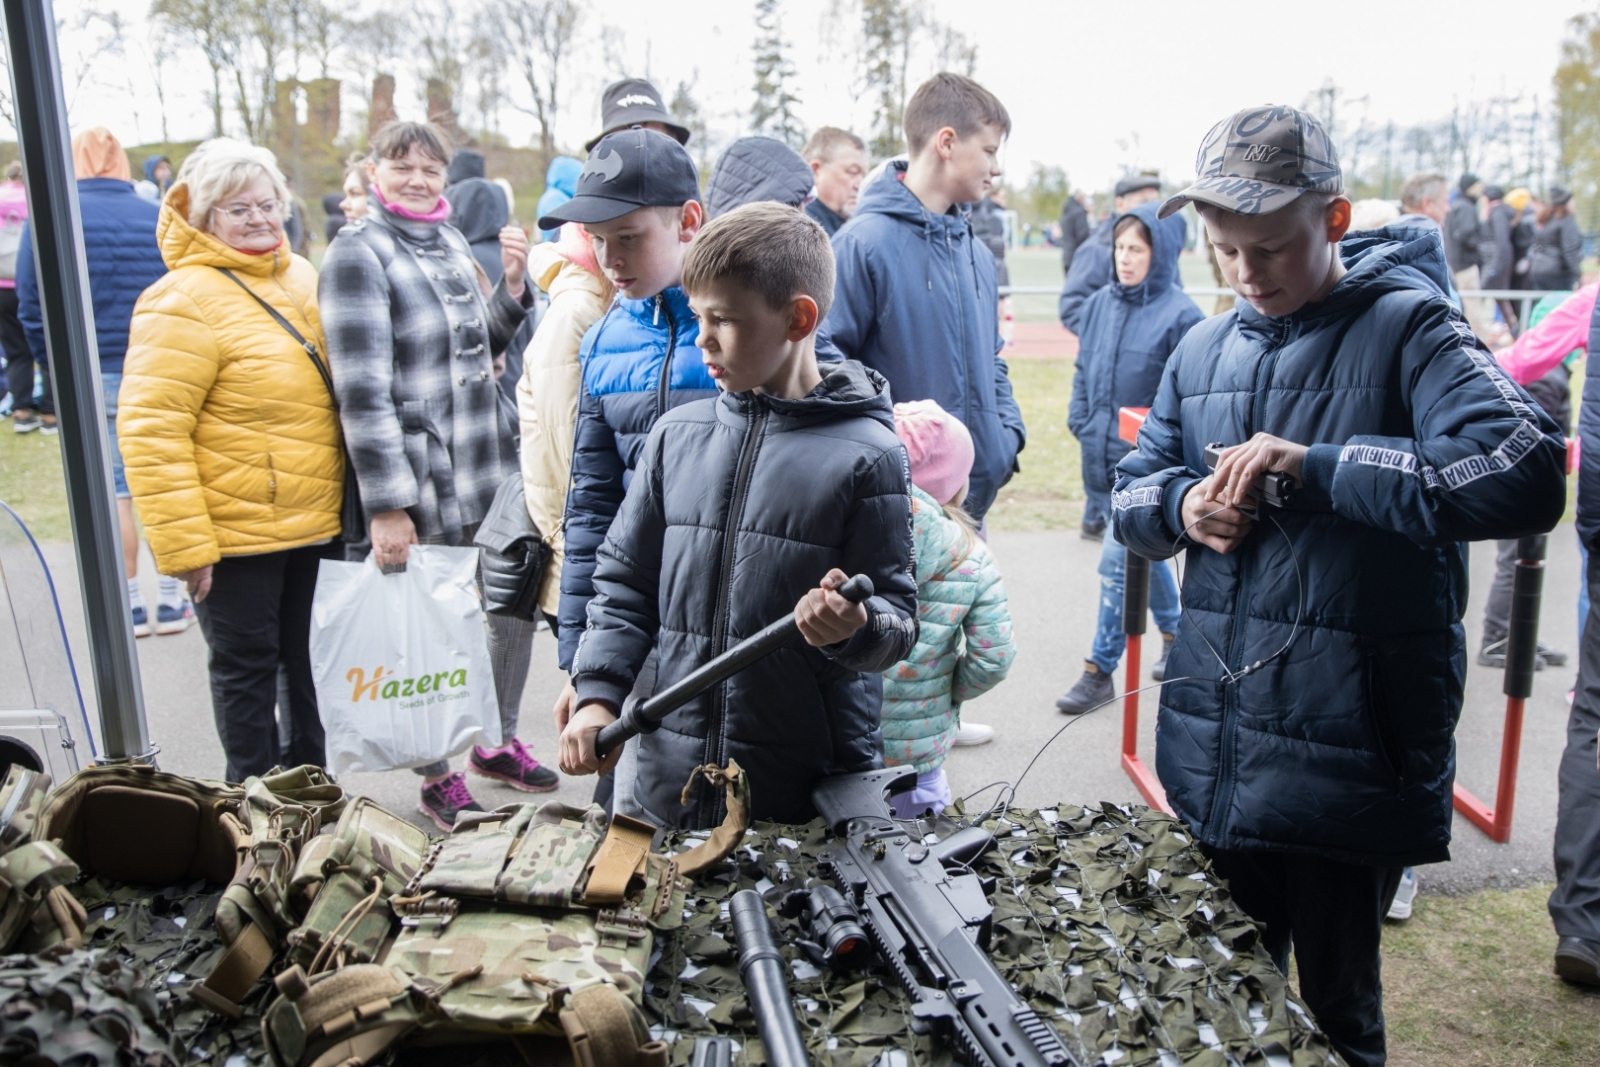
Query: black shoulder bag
x,y
351,519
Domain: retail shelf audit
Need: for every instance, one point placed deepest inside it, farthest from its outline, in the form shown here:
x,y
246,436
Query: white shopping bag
x,y
402,661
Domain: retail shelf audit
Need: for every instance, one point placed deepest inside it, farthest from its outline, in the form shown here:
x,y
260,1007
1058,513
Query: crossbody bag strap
x,y
311,349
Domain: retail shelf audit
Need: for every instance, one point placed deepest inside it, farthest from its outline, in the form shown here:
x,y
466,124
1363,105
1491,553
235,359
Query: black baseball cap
x,y
628,170
1261,159
634,102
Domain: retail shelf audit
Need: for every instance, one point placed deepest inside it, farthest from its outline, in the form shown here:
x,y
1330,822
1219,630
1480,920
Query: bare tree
x,y
957,52
371,49
443,40
542,35
207,25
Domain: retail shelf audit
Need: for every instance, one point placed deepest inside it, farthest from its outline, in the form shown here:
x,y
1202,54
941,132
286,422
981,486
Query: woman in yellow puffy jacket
x,y
231,442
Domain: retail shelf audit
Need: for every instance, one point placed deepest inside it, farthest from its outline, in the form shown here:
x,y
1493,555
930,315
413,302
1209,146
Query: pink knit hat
x,y
939,446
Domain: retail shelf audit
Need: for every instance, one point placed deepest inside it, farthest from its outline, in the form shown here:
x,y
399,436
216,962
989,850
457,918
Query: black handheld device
x,y
1277,489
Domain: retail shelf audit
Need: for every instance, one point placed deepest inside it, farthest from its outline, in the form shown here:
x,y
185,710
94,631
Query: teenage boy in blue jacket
x,y
917,298
743,508
1305,730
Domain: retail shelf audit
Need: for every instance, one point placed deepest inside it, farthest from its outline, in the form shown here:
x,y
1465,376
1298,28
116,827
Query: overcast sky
x,y
1094,87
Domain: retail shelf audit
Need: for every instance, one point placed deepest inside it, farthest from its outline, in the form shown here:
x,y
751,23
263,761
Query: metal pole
x,y
75,368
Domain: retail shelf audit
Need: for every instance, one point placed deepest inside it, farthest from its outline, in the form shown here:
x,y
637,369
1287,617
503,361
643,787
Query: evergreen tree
x,y
774,111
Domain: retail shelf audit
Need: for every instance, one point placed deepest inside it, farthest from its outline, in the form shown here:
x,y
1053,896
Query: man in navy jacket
x,y
1306,731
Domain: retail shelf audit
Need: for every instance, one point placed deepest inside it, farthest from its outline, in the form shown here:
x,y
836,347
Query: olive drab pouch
x,y
372,855
137,825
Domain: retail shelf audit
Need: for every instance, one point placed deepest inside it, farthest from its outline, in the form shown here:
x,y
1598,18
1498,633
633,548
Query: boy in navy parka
x,y
1305,730
917,299
1129,329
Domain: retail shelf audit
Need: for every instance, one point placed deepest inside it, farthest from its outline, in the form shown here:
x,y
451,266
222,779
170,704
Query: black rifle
x,y
927,914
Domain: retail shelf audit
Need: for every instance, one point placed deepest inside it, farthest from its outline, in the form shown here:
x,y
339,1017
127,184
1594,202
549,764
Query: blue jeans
x,y
110,385
1096,507
1109,640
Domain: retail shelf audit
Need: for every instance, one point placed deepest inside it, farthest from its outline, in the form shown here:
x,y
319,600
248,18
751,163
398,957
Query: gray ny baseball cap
x,y
1261,159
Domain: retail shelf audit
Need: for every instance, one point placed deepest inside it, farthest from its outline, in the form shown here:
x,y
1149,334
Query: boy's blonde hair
x,y
955,101
222,167
771,249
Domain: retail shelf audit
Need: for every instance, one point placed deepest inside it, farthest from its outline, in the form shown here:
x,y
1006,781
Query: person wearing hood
x,y
753,169
560,185
918,301
1499,267
1556,258
412,341
479,210
745,507
464,164
157,179
119,244
231,438
1130,329
1309,747
1091,261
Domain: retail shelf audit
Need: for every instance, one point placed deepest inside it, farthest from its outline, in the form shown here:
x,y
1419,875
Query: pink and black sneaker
x,y
513,766
443,800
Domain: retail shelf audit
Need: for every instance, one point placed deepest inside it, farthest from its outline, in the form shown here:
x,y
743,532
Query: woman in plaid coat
x,y
413,329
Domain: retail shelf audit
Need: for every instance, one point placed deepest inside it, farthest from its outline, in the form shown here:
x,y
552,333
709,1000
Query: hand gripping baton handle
x,y
644,717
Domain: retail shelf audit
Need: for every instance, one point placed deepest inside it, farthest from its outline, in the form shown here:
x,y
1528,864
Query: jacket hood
x,y
1377,262
563,174
151,164
889,196
1167,237
463,165
478,209
551,270
755,169
941,544
183,245
847,388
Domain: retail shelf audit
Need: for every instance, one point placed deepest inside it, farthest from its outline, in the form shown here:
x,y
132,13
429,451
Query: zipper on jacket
x,y
716,742
1223,795
961,326
664,386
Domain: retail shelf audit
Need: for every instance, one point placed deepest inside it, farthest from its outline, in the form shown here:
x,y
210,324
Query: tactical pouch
x,y
370,858
138,825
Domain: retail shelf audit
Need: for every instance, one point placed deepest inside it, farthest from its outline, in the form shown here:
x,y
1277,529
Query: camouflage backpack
x,y
32,873
137,825
525,921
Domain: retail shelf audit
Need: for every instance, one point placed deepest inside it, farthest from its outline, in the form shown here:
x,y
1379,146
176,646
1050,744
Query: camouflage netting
x,y
124,1000
1107,919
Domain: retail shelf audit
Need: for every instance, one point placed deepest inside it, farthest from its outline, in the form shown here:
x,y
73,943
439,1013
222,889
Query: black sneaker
x,y
25,420
514,766
1159,671
1093,531
443,800
1550,657
1493,654
1091,690
1578,961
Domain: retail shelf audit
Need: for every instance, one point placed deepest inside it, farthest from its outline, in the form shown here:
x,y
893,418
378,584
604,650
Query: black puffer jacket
x,y
738,506
1343,745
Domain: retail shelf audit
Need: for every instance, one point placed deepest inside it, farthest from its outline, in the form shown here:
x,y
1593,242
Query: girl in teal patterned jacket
x,y
965,647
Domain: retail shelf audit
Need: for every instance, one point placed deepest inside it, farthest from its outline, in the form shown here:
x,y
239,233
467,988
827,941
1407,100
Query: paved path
x,y
1053,588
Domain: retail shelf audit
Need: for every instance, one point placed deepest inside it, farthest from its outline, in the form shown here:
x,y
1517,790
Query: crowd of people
x,y
721,404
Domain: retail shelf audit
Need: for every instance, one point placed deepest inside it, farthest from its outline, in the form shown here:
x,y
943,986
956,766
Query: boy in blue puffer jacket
x,y
638,197
964,647
1305,729
1129,328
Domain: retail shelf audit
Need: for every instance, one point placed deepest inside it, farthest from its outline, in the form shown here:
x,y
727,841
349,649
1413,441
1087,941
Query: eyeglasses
x,y
269,210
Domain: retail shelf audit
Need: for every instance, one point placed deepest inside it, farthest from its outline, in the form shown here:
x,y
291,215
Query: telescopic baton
x,y
645,716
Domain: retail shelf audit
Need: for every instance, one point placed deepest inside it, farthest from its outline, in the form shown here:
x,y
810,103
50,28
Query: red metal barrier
x,y
1522,648
1135,606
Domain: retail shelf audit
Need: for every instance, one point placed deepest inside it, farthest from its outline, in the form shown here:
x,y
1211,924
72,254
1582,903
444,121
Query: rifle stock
x,y
927,915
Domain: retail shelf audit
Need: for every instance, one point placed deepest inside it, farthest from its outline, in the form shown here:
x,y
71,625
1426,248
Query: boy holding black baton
x,y
739,505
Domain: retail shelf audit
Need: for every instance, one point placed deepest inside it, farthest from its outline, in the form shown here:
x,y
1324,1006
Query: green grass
x,y
1467,983
1048,494
31,482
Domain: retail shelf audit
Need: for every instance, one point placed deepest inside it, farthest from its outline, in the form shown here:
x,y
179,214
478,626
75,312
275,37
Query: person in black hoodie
x,y
745,507
479,210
